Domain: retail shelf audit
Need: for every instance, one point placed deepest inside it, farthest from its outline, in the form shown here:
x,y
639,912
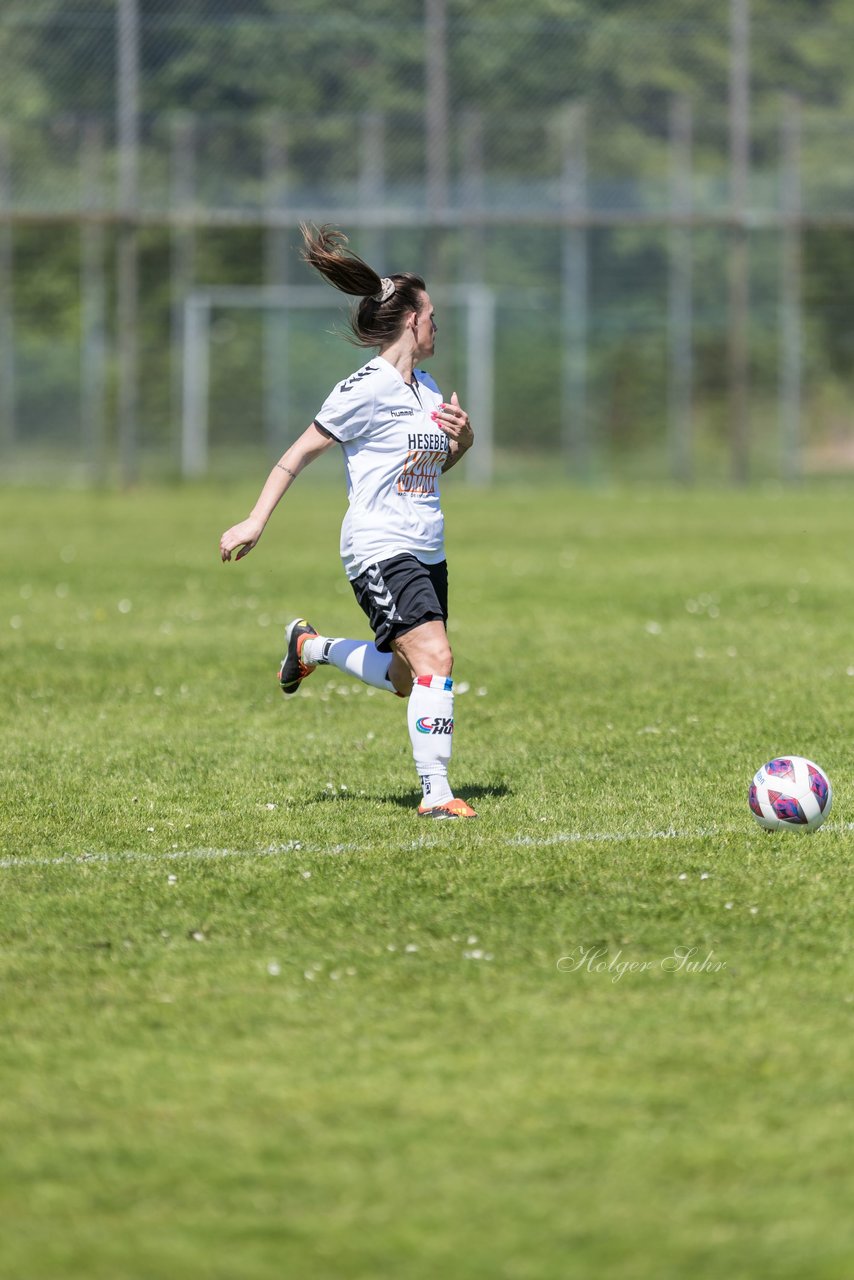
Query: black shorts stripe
x,y
382,601
400,594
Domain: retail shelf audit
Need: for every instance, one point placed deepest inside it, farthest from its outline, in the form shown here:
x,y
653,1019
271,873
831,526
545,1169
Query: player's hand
x,y
454,421
243,536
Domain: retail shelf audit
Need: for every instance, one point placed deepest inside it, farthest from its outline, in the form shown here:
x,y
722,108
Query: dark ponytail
x,y
381,314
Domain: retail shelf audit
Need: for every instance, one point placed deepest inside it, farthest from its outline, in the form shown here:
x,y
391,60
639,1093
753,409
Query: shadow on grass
x,y
411,799
406,799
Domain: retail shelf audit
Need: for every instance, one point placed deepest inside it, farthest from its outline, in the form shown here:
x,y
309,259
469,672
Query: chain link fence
x,y
636,218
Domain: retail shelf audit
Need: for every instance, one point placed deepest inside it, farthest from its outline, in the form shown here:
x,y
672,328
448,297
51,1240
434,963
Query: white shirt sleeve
x,y
348,410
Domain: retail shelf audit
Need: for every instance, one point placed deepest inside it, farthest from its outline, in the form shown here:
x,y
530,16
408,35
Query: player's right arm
x,y
243,537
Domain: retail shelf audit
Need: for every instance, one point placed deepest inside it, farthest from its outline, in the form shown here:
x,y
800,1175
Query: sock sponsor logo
x,y
435,724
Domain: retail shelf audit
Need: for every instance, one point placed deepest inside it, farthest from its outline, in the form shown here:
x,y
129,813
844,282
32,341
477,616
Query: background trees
x,y
311,106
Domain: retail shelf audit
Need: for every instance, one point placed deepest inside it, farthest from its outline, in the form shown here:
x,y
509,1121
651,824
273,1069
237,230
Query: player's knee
x,y
442,660
433,660
426,654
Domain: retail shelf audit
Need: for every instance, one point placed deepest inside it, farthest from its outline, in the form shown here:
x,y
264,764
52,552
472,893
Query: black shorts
x,y
401,593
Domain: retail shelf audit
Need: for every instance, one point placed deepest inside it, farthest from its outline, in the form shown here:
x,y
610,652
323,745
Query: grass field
x,y
259,1022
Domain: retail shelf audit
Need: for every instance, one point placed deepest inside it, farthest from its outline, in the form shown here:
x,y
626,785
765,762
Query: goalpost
x,y
477,301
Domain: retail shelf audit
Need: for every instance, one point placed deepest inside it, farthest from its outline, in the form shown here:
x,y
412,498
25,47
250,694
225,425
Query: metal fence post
x,y
127,273
93,303
7,307
739,254
791,342
680,317
372,161
182,248
194,431
480,320
575,443
436,125
276,321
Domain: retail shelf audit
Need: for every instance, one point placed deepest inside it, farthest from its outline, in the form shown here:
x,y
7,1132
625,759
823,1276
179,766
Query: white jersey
x,y
393,453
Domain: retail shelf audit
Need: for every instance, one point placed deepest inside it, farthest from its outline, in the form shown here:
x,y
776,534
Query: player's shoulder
x,y
427,380
365,379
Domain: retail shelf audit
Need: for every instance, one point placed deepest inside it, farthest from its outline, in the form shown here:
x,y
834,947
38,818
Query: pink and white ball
x,y
790,793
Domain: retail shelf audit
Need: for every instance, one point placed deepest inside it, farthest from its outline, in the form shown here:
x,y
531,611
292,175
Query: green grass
x,y
259,1022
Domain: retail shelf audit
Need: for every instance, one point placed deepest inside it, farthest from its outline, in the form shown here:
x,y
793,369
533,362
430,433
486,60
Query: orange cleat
x,y
450,809
293,670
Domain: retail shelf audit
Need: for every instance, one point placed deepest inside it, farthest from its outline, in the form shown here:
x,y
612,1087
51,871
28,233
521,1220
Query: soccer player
x,y
397,435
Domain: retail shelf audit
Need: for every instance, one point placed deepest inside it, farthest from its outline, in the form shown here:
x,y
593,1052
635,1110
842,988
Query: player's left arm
x,y
243,537
454,421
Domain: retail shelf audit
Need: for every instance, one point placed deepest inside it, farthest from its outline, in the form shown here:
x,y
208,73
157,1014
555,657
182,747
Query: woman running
x,y
397,435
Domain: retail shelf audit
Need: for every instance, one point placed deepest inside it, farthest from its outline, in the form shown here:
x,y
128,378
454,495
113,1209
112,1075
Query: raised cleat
x,y
293,670
450,809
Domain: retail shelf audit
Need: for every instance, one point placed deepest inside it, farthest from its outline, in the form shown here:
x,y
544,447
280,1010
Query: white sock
x,y
359,658
431,726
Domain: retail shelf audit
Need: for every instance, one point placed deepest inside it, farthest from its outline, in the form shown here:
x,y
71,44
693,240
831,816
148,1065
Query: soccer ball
x,y
790,794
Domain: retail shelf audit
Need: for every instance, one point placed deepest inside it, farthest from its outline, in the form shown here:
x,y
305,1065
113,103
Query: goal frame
x,y
477,300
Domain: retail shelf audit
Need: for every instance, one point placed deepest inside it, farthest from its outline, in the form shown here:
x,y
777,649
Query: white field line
x,y
298,846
